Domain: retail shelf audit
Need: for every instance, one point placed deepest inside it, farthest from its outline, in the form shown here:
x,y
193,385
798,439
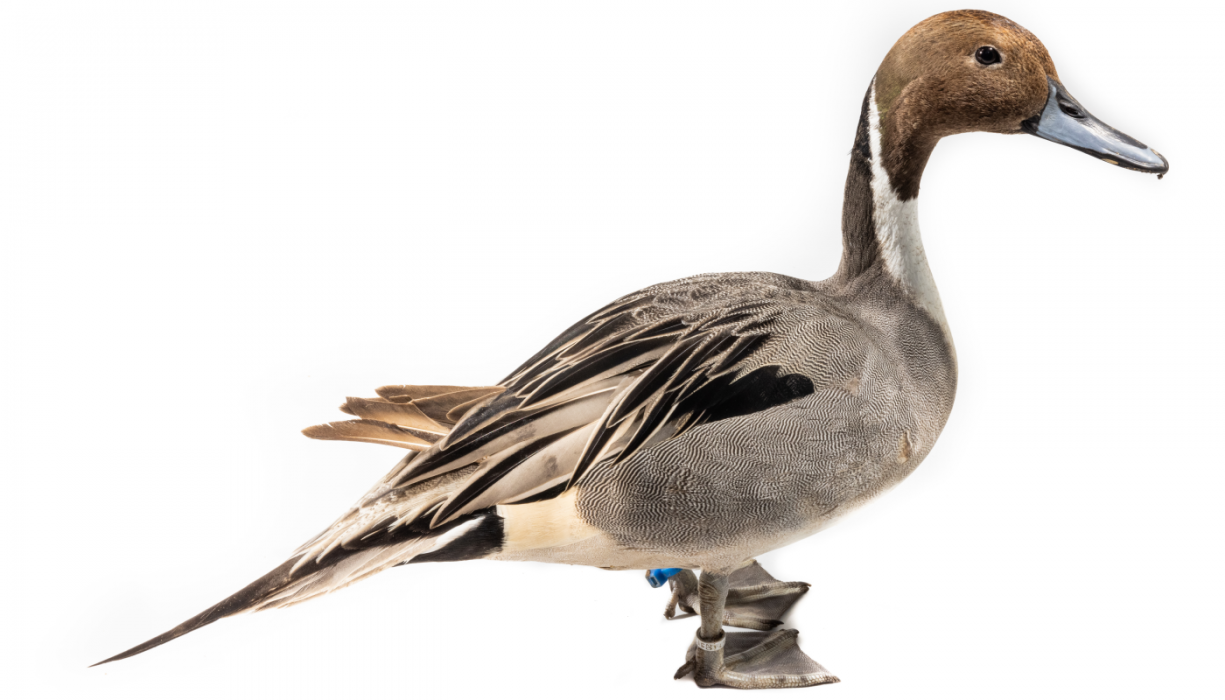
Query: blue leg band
x,y
658,577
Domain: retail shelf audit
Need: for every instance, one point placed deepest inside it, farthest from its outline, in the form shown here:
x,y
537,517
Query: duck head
x,y
976,71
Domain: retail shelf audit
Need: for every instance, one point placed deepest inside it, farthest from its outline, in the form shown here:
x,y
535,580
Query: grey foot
x,y
755,599
755,660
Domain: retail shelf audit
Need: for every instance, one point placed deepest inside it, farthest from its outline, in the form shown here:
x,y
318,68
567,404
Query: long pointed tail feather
x,y
246,599
379,533
307,575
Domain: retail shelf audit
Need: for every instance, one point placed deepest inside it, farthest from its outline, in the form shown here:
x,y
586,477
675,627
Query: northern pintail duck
x,y
700,423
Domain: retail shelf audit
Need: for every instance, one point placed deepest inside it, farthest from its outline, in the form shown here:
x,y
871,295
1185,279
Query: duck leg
x,y
755,599
745,659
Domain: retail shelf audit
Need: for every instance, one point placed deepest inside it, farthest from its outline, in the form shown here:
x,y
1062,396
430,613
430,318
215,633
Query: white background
x,y
221,218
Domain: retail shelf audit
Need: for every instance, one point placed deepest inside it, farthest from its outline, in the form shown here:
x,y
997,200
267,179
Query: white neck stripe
x,y
897,231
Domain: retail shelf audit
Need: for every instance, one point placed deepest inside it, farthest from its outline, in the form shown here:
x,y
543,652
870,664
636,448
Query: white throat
x,y
897,232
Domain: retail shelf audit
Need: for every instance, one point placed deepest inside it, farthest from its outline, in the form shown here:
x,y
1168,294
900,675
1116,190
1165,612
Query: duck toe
x,y
755,599
684,587
755,660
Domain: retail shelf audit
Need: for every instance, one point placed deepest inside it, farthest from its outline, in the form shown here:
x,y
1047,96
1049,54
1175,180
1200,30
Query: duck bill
x,y
1065,121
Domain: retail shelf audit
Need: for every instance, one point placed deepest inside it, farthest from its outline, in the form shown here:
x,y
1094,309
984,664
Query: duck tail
x,y
246,599
309,574
354,547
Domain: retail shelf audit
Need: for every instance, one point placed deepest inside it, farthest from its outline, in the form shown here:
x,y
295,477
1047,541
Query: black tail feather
x,y
246,599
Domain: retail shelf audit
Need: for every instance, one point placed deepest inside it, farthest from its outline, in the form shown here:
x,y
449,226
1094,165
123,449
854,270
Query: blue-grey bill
x,y
1065,121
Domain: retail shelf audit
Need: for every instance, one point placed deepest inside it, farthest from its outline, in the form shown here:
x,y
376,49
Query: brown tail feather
x,y
405,414
437,407
377,432
412,417
403,393
457,413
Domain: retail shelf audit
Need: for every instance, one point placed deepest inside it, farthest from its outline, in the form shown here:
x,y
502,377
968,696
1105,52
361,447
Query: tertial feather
x,y
372,431
407,415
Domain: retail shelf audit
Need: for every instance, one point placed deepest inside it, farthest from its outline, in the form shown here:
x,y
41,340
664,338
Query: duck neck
x,y
880,219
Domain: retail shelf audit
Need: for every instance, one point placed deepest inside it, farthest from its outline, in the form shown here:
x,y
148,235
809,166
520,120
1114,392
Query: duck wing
x,y
644,369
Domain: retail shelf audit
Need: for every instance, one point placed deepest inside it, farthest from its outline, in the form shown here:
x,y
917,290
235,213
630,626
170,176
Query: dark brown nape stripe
x,y
859,245
905,157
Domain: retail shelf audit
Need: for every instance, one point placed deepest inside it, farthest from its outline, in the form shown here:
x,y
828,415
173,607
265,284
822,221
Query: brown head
x,y
971,70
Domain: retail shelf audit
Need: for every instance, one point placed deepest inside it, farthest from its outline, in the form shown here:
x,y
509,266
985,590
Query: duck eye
x,y
987,55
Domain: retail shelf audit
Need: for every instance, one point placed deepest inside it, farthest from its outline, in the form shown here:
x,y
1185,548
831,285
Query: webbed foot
x,y
754,660
747,659
755,599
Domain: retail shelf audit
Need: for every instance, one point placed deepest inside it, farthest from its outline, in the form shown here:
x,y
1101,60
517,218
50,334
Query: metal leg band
x,y
710,646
